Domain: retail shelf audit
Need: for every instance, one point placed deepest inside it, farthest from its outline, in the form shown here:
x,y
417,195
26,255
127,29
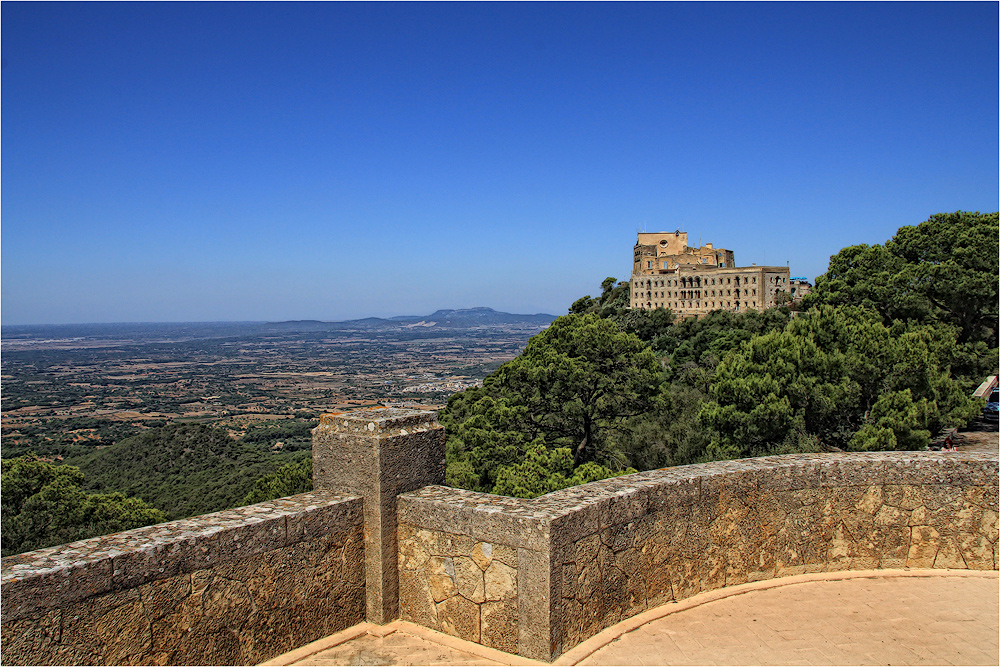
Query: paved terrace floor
x,y
920,617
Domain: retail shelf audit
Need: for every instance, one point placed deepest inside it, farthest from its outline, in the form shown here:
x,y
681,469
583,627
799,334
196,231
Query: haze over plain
x,y
205,162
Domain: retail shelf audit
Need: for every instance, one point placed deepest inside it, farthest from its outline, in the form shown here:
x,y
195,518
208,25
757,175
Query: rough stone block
x,y
26,639
851,470
674,493
469,579
434,513
459,617
924,544
977,552
534,605
625,506
981,496
321,513
500,582
491,525
416,602
575,523
499,625
30,591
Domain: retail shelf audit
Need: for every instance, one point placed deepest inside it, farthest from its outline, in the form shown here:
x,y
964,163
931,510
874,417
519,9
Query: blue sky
x,y
205,162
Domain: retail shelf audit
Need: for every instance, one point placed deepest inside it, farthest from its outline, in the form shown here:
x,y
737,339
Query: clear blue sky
x,y
203,162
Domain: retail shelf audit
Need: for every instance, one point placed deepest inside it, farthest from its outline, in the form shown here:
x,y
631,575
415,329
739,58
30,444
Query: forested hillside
x,y
883,354
183,469
164,473
44,505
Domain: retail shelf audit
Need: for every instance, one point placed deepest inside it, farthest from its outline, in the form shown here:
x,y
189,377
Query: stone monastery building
x,y
667,273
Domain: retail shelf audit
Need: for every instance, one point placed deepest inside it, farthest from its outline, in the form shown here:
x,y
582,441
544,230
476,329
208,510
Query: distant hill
x,y
473,317
448,318
181,331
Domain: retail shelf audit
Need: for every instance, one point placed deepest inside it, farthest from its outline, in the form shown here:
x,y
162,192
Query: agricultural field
x,y
67,389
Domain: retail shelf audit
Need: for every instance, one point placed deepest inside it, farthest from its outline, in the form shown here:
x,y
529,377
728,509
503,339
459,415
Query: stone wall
x,y
380,540
234,587
591,556
475,566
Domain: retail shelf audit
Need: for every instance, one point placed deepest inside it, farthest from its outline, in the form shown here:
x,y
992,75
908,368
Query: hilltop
x,y
461,318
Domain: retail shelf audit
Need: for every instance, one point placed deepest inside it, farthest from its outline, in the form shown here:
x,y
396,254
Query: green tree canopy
x,y
574,387
578,380
184,469
545,470
44,505
288,480
837,377
943,270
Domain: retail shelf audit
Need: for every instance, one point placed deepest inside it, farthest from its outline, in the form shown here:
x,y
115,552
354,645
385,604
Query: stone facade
x,y
666,273
591,556
799,287
663,251
459,585
230,588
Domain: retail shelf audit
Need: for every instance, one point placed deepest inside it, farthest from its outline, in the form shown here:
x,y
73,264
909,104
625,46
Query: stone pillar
x,y
379,454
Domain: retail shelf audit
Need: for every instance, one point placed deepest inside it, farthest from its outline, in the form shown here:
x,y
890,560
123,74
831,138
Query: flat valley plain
x,y
67,388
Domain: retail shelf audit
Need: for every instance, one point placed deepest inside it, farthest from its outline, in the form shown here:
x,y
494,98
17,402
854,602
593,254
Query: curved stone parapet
x,y
535,577
558,569
234,587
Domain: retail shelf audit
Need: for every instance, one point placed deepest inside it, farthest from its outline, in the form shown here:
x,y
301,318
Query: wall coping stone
x,y
51,577
381,421
606,502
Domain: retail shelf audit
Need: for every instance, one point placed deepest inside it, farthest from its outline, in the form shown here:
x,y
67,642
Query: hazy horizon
x,y
205,162
263,321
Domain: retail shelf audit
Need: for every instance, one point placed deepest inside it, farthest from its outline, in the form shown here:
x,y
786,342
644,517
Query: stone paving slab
x,y
397,643
919,618
396,648
898,617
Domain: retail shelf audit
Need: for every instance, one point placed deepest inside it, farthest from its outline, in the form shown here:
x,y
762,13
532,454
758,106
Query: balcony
x,y
381,542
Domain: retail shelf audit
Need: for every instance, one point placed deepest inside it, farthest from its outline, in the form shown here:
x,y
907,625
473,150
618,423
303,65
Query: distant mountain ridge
x,y
449,317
